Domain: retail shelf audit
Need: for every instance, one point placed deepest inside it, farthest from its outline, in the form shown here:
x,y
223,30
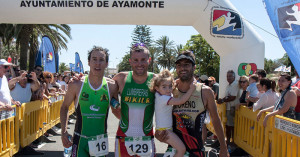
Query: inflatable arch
x,y
218,21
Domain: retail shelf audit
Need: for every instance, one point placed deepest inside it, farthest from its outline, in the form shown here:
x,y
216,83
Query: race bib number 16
x,y
98,146
141,145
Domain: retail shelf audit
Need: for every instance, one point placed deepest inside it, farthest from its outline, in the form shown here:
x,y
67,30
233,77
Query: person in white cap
x,y
5,97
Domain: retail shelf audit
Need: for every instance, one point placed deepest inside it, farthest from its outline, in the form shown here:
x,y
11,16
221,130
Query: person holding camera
x,y
21,87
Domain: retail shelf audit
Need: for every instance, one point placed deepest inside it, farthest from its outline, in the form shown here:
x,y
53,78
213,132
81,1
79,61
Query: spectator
x,y
48,78
60,78
252,90
214,86
54,82
197,77
286,103
21,87
261,73
243,84
204,79
231,99
64,83
5,97
40,93
38,71
296,88
267,99
260,91
17,71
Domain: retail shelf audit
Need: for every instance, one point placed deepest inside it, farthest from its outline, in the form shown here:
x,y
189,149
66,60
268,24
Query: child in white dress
x,y
163,86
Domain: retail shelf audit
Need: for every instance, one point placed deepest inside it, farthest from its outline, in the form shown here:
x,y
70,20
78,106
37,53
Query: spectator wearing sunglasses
x,y
48,79
5,98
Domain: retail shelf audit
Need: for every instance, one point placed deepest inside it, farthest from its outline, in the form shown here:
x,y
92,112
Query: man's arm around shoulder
x,y
209,102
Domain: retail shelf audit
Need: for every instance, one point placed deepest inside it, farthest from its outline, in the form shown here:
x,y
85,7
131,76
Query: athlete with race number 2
x,y
91,97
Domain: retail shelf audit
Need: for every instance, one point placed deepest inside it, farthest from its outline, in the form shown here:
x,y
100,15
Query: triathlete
x,y
91,97
188,118
135,132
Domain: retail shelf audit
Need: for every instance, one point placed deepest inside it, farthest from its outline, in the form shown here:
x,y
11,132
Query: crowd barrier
x,y
221,108
27,123
280,138
9,132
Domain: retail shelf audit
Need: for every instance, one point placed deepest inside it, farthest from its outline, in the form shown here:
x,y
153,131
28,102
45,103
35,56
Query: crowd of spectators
x,y
259,94
20,86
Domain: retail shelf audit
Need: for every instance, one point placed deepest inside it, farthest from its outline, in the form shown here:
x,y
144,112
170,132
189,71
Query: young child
x,y
260,90
163,86
252,90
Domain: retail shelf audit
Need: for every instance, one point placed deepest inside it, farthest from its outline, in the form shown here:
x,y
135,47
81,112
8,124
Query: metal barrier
x,y
33,123
222,114
281,136
9,132
285,137
249,134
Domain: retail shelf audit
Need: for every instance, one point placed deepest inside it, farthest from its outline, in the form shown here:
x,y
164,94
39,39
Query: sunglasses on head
x,y
139,44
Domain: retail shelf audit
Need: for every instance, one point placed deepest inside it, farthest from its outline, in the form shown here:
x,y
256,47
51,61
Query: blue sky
x,y
117,38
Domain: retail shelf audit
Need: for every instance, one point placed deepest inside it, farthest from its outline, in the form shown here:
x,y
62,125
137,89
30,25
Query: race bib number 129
x,y
141,145
98,146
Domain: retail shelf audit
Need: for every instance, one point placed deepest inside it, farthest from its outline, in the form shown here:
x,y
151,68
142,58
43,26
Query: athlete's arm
x,y
74,87
209,102
185,97
113,90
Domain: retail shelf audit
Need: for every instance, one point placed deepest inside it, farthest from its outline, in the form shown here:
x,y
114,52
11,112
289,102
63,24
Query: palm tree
x,y
153,67
58,39
27,38
6,36
165,49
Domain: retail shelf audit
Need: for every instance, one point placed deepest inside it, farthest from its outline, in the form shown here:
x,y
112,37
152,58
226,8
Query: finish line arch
x,y
218,21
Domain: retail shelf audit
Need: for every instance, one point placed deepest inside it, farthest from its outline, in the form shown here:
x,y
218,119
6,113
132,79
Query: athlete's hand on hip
x,y
65,140
161,135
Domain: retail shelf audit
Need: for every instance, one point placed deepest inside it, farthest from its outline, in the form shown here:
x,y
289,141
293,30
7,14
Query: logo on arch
x,y
247,69
226,23
289,20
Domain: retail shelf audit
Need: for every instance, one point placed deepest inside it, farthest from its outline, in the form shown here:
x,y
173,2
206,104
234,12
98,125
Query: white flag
x,y
279,68
288,69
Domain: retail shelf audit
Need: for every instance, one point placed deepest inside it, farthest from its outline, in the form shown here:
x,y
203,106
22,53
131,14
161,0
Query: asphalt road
x,y
56,149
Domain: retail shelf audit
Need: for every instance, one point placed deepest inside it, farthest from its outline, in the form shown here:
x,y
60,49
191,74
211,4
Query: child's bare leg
x,y
176,143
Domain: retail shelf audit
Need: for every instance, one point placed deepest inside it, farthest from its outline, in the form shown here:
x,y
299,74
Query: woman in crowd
x,y
64,83
48,77
269,98
286,103
243,84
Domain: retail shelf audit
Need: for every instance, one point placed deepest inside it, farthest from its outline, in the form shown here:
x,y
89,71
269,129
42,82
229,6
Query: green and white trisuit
x,y
92,111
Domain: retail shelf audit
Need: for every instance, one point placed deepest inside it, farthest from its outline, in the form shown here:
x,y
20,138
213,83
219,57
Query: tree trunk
x,y
24,37
32,53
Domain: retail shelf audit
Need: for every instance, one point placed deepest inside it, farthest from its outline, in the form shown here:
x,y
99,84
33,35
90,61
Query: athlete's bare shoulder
x,y
75,86
207,95
120,76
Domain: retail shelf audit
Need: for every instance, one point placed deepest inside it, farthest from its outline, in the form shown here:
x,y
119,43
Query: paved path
x,y
56,149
